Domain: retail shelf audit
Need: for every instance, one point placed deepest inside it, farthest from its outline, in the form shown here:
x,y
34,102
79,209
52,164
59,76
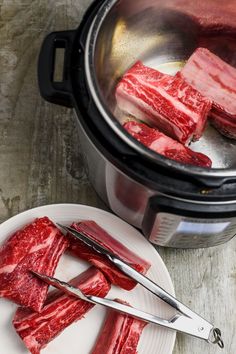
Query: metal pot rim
x,y
112,122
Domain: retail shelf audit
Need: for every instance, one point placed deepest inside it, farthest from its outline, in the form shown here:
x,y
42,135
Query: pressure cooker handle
x,y
58,92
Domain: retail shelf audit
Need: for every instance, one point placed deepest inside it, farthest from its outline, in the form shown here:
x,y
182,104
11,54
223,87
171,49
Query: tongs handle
x,y
186,321
189,322
178,322
153,287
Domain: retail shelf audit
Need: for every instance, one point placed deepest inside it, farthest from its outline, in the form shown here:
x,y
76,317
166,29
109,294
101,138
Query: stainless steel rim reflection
x,y
111,119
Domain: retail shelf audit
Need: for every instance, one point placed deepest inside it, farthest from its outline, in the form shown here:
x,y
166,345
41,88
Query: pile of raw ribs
x,y
173,110
42,315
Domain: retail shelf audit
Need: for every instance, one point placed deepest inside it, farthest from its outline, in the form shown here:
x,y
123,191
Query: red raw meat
x,y
224,124
166,146
60,310
211,15
166,102
224,46
215,79
120,334
36,247
115,276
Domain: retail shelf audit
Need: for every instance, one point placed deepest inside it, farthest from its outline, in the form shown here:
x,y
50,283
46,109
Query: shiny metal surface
x,y
94,162
61,285
186,232
185,320
88,241
179,323
112,186
109,182
163,35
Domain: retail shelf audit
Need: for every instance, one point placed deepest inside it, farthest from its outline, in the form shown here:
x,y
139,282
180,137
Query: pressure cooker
x,y
174,204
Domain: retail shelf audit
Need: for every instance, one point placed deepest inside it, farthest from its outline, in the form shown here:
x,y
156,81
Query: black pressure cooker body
x,y
174,205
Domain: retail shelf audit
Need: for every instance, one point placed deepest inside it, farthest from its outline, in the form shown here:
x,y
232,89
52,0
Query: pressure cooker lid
x,y
162,35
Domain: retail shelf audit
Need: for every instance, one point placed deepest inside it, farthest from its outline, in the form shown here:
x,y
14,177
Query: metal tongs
x,y
185,321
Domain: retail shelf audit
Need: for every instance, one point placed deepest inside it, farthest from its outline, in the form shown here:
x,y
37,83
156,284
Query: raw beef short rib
x,y
60,310
224,124
166,102
215,79
120,334
166,146
211,15
115,276
36,247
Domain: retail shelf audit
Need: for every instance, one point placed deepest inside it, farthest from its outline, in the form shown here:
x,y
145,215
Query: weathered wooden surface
x,y
40,163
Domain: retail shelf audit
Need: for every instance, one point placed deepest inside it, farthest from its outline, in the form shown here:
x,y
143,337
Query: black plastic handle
x,y
55,92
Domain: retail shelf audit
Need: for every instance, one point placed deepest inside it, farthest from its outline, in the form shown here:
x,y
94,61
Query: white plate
x,y
80,337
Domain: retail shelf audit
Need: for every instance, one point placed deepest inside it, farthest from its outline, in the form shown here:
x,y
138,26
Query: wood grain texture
x,y
40,163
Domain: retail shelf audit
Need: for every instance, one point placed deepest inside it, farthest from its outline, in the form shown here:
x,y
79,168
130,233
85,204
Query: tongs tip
x,y
62,226
40,275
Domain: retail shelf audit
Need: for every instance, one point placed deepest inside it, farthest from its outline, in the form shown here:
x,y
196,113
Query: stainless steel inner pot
x,y
162,34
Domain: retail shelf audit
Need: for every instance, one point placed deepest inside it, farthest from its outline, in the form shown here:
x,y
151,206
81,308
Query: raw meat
x,y
119,335
60,310
115,276
166,102
224,124
166,146
224,46
215,79
211,15
36,247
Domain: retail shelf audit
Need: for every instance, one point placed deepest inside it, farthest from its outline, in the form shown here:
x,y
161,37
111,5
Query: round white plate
x,y
79,338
